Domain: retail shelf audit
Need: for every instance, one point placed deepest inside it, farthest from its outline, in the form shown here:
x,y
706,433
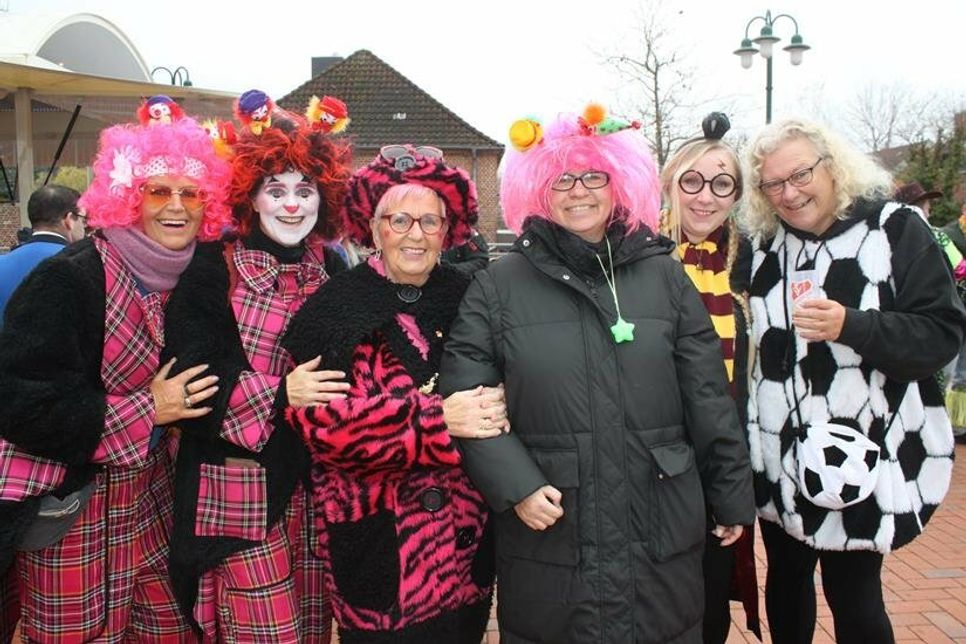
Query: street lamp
x,y
765,42
178,76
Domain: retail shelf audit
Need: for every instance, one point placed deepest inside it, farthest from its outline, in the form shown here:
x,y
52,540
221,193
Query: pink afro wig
x,y
131,154
624,155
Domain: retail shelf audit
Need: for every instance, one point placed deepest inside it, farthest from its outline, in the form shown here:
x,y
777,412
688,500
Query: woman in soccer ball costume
x,y
853,312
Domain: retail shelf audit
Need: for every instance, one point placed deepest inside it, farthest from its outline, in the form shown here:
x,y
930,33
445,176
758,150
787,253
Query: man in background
x,y
56,222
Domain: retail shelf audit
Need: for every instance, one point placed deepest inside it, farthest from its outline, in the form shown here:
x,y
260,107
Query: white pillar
x,y
23,117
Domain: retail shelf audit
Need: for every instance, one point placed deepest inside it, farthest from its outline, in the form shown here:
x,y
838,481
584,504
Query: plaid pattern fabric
x,y
231,502
260,594
315,601
107,579
24,475
254,595
265,298
133,337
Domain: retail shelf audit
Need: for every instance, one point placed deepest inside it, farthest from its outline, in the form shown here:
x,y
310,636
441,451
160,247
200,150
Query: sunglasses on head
x,y
404,156
157,196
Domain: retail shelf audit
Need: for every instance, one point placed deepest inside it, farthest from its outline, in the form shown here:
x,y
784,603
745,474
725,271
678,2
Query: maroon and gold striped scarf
x,y
706,263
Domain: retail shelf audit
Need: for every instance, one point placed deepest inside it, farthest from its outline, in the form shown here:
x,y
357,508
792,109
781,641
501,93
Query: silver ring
x,y
187,402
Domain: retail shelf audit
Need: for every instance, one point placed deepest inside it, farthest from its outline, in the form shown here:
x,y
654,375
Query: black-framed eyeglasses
x,y
402,222
722,184
798,179
592,180
403,157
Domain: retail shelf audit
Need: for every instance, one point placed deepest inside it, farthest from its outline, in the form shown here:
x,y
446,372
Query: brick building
x,y
386,107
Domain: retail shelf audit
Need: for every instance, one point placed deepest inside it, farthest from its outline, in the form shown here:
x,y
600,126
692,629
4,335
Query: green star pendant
x,y
623,331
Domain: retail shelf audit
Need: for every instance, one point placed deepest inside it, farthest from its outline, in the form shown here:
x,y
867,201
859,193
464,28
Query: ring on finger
x,y
187,402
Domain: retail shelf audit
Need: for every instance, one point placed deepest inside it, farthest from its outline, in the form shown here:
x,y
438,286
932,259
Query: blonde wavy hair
x,y
854,174
680,162
670,225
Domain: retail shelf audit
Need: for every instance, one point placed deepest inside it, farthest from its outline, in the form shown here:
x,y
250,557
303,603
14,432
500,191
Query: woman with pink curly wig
x,y
620,408
88,499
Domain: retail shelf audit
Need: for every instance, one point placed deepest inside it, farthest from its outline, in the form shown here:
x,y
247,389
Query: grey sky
x,y
495,61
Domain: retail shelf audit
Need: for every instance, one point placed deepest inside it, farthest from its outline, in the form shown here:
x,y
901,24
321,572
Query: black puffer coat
x,y
635,435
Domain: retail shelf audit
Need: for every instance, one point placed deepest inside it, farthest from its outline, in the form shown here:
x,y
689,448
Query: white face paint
x,y
288,207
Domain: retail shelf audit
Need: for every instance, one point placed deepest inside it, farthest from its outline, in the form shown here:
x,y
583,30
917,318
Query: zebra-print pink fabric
x,y
377,453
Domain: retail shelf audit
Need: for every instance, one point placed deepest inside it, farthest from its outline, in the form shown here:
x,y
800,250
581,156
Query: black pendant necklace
x,y
409,293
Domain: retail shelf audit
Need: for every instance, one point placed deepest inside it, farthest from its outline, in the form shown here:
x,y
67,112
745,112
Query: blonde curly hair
x,y
854,174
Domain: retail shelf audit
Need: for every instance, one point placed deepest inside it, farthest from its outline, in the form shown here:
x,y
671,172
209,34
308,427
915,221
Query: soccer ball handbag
x,y
837,465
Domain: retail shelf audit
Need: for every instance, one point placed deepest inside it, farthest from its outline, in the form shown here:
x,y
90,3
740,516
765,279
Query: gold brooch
x,y
428,387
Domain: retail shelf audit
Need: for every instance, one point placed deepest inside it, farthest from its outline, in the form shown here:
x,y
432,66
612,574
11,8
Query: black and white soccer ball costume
x,y
856,263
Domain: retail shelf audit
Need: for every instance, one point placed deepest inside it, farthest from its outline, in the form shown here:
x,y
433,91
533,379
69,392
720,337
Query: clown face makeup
x,y
288,207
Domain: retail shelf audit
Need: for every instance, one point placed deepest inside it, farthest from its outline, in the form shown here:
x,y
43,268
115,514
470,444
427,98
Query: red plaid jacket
x,y
266,296
133,336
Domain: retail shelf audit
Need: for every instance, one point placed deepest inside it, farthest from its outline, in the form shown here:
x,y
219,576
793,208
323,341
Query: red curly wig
x,y
290,144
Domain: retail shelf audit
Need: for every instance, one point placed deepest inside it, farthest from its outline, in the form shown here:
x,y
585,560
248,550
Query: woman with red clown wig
x,y
240,562
88,396
400,530
622,419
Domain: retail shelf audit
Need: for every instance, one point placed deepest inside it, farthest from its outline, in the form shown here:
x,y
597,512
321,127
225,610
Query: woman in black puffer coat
x,y
616,392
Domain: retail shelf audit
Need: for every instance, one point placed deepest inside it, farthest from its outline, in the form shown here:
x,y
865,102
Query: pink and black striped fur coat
x,y
402,532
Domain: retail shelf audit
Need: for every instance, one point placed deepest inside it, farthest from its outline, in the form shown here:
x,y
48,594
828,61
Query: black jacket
x,y
51,350
634,435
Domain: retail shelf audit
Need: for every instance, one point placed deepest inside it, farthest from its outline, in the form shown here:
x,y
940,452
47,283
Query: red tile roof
x,y
386,107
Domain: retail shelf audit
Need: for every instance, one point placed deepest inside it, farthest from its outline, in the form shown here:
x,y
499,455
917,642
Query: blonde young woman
x,y
701,183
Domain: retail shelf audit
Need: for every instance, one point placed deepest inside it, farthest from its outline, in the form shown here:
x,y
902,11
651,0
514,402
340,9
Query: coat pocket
x,y
232,502
365,560
679,518
558,543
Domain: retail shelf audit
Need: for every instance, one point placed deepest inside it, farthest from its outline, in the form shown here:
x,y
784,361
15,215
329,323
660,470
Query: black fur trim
x,y
365,561
462,626
200,327
354,305
51,350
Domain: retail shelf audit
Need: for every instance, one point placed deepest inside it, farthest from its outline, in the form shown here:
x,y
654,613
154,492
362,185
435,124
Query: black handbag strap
x,y
787,362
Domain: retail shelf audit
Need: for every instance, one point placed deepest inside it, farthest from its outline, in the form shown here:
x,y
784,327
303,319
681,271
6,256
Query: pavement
x,y
924,583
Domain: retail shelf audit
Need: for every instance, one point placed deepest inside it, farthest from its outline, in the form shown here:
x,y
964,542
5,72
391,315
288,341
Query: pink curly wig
x,y
624,155
130,154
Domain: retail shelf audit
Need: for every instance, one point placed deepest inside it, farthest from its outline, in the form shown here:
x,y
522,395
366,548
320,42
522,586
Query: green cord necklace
x,y
622,330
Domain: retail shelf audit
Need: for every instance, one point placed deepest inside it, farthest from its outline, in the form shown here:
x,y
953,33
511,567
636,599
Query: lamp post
x,y
178,77
765,42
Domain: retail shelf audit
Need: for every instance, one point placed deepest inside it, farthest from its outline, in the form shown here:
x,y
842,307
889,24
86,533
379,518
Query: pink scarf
x,y
156,268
